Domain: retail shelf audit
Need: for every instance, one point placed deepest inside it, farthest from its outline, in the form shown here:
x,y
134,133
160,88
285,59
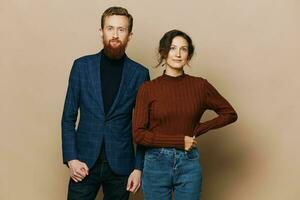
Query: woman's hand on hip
x,y
189,143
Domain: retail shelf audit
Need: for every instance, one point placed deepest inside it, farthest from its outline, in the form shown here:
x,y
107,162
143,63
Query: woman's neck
x,y
174,72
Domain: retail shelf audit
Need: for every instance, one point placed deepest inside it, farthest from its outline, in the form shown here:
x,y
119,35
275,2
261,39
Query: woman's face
x,y
178,54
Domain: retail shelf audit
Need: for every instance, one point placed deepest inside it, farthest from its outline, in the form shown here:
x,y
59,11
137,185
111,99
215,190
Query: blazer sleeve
x,y
216,102
69,115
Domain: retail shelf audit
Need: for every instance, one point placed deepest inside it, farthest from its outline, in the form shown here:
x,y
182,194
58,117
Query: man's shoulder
x,y
86,58
137,66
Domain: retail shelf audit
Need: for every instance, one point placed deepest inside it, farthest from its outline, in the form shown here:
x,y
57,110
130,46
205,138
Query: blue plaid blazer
x,y
84,96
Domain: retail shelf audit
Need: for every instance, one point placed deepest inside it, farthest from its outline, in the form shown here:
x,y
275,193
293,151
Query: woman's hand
x,y
189,143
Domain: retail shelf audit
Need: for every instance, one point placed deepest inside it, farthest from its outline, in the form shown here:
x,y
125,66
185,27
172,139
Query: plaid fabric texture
x,y
84,96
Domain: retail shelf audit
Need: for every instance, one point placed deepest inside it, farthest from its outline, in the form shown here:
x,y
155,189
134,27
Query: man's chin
x,y
114,44
115,47
114,50
114,53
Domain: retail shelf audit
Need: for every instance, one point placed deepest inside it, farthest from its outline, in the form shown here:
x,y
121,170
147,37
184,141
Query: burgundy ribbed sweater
x,y
169,108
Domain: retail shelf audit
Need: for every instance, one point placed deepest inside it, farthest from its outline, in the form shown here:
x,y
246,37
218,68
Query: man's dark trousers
x,y
114,186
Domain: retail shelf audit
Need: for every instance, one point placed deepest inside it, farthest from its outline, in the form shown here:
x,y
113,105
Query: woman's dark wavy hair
x,y
166,41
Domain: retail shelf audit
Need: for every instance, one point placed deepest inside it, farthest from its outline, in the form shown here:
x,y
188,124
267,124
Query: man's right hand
x,y
78,170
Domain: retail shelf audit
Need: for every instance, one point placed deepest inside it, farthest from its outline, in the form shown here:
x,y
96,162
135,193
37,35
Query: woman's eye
x,y
184,49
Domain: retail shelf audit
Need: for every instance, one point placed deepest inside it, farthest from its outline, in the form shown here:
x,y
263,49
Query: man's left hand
x,y
134,181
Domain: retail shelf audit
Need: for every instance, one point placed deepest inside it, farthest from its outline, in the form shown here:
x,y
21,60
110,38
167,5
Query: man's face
x,y
115,35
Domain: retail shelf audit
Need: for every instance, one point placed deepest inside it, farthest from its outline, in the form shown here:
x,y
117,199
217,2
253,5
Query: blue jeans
x,y
168,170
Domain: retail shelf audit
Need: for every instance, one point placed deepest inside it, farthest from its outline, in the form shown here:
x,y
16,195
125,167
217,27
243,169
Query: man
x,y
103,87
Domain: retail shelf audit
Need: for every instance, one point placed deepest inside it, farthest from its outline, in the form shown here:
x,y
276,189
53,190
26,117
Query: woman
x,y
167,120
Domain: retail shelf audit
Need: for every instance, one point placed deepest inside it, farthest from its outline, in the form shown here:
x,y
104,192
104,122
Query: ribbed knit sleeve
x,y
141,132
214,101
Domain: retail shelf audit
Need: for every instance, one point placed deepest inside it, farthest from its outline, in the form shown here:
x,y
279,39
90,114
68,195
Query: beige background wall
x,y
249,50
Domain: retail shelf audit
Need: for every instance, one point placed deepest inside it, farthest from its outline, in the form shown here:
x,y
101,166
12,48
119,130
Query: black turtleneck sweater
x,y
111,75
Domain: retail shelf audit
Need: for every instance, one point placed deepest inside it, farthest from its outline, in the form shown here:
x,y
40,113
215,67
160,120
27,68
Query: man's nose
x,y
115,35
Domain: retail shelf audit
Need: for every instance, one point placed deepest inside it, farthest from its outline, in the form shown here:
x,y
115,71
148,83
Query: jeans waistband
x,y
169,151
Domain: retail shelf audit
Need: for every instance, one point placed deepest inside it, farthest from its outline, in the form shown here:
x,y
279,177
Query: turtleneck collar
x,y
173,78
113,61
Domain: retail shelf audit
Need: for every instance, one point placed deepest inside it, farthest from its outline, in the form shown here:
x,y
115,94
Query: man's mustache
x,y
115,40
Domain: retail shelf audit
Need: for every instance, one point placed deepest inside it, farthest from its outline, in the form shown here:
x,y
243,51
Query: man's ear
x,y
130,36
101,32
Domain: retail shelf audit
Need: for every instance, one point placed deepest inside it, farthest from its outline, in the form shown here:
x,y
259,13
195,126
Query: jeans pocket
x,y
153,154
192,155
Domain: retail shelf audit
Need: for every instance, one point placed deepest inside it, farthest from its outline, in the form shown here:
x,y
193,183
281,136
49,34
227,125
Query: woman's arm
x,y
214,101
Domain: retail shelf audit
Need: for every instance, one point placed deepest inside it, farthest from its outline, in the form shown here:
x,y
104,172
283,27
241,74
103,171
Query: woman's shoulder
x,y
196,79
146,85
153,82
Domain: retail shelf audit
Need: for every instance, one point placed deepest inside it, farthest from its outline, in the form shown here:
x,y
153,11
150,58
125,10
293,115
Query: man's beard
x,y
114,52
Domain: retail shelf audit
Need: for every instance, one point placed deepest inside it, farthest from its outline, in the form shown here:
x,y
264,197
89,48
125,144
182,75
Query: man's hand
x,y
189,143
134,181
78,170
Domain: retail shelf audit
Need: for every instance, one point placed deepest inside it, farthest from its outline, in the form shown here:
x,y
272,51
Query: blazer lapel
x,y
94,73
